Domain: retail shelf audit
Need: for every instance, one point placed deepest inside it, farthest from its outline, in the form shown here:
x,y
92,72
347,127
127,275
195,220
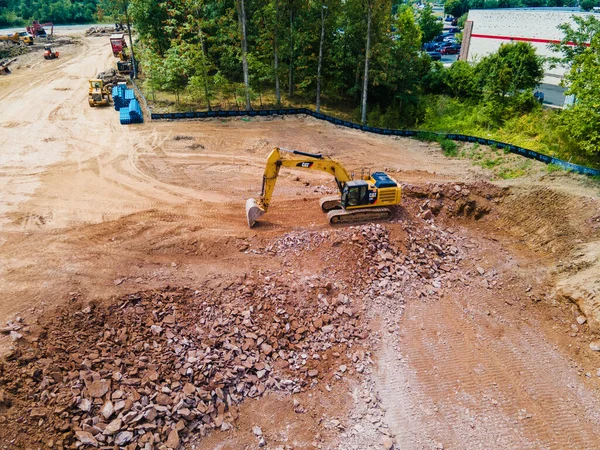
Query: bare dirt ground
x,y
474,321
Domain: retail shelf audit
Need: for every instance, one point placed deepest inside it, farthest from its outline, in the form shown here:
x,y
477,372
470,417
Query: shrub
x,y
449,147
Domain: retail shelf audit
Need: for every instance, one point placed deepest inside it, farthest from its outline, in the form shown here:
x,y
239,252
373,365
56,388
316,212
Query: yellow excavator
x,y
98,94
368,198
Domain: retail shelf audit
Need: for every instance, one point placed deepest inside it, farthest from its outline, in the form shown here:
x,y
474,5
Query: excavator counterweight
x,y
359,200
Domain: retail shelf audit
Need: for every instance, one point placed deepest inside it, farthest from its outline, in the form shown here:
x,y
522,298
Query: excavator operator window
x,y
355,196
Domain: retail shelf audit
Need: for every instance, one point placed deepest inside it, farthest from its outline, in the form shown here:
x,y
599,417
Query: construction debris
x,y
99,31
4,70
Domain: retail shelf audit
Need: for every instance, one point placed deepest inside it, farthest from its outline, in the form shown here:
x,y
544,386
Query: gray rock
x,y
107,410
124,437
113,427
86,438
85,405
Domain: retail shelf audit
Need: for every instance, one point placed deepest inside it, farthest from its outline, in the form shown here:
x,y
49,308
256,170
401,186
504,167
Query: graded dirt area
x,y
145,314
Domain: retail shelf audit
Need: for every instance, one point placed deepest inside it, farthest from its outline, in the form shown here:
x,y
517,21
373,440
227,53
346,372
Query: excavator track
x,y
330,203
342,216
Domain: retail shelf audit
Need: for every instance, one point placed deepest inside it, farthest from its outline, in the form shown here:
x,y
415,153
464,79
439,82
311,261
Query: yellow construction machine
x,y
98,93
11,38
368,198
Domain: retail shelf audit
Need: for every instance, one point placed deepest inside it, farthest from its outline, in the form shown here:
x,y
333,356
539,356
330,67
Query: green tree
x,y
587,5
430,26
580,48
454,8
582,120
575,40
151,19
512,69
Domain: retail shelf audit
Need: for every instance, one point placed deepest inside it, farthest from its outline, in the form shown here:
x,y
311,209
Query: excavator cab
x,y
355,193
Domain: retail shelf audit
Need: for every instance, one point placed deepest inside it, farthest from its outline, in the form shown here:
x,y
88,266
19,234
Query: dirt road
x,y
479,354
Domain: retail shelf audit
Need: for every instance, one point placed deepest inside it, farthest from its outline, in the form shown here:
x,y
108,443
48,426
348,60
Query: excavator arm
x,y
295,159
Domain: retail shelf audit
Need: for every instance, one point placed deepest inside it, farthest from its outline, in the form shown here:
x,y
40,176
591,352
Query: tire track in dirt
x,y
470,387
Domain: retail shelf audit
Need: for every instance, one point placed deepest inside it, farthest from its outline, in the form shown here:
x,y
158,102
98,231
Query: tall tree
x,y
320,64
430,26
291,50
582,119
367,56
276,53
242,19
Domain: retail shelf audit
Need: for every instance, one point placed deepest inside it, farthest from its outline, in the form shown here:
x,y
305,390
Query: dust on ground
x,y
475,308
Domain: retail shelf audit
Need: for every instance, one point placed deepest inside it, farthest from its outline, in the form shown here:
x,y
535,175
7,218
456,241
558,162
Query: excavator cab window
x,y
355,194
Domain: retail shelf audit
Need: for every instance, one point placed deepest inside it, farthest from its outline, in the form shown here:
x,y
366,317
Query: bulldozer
x,y
48,53
364,199
98,93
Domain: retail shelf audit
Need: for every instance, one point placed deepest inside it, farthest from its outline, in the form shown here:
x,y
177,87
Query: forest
x,y
21,12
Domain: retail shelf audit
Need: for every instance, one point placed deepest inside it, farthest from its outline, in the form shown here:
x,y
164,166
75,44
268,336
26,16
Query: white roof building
x,y
487,29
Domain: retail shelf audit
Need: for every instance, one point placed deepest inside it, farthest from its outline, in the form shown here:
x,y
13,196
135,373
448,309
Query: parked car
x,y
442,45
452,50
429,46
435,56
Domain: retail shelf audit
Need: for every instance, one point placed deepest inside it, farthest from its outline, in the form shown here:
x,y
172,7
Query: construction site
x,y
139,310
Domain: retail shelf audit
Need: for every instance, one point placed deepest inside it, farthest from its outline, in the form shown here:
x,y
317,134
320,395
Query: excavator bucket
x,y
253,211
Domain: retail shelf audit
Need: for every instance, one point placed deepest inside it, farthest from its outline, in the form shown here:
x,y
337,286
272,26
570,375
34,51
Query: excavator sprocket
x,y
342,216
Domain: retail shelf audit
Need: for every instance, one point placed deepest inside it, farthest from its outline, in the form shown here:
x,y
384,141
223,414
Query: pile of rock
x,y
297,242
144,372
100,31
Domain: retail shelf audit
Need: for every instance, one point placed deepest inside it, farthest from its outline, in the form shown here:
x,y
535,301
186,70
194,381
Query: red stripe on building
x,y
514,38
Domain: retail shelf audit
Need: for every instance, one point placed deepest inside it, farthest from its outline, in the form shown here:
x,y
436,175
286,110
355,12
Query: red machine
x,y
48,53
117,42
37,29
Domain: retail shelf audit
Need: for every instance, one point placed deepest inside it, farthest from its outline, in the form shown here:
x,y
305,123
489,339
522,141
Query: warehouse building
x,y
486,29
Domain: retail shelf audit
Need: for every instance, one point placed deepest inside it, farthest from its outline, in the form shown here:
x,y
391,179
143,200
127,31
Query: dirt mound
x,y
472,200
579,282
547,218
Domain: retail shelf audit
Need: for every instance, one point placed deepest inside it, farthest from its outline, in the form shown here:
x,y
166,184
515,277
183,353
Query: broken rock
x,y
86,438
124,437
173,439
98,388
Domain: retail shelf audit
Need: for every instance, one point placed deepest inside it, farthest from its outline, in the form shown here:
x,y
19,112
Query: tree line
x,y
359,54
22,12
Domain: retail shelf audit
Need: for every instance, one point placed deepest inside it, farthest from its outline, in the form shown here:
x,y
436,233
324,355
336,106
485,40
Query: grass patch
x,y
449,147
538,130
550,168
